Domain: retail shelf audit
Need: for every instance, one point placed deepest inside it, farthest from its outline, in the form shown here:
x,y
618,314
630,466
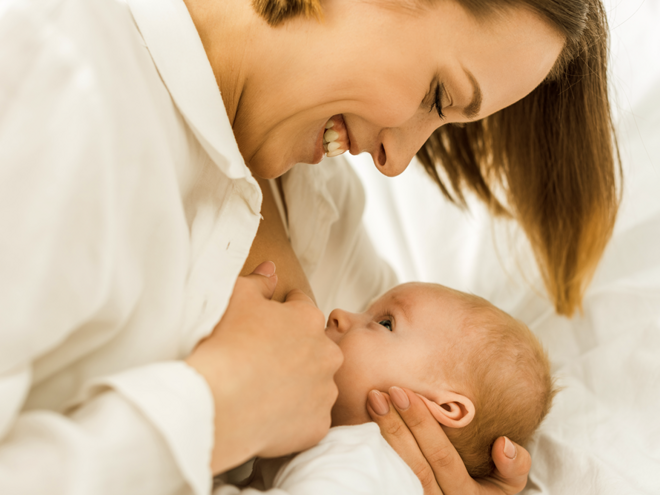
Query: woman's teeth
x,y
330,136
330,140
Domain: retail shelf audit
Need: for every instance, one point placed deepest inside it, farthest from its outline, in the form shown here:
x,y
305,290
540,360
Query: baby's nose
x,y
339,320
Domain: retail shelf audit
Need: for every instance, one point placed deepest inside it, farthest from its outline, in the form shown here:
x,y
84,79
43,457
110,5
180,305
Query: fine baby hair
x,y
481,373
507,375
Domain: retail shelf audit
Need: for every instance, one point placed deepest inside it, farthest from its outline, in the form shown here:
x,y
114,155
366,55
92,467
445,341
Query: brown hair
x,y
553,154
277,11
507,374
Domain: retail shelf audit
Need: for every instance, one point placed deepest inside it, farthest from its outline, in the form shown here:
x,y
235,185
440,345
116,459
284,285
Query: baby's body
x,y
350,460
481,373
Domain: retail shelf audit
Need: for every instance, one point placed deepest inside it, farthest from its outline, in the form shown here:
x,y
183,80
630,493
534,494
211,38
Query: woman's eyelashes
x,y
437,103
387,323
433,99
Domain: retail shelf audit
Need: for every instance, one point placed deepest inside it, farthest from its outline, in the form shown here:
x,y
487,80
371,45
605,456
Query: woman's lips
x,y
319,152
352,143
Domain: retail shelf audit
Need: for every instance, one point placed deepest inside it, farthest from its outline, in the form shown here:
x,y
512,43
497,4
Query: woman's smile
x,y
377,98
336,139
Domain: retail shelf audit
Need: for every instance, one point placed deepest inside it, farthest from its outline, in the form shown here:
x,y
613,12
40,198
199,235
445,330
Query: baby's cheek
x,y
350,407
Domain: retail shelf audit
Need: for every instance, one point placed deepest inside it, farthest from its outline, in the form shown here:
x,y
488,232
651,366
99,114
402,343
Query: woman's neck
x,y
227,28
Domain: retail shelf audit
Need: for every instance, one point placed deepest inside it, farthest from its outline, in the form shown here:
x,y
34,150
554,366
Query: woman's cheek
x,y
391,108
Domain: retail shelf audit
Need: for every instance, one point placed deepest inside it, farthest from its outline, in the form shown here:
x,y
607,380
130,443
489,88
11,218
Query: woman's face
x,y
381,69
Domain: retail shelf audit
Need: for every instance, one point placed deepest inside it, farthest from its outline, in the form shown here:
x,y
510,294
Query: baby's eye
x,y
386,323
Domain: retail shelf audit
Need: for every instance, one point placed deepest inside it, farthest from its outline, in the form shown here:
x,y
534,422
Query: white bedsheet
x,y
603,433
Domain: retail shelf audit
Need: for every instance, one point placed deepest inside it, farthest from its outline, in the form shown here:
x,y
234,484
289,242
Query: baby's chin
x,y
345,416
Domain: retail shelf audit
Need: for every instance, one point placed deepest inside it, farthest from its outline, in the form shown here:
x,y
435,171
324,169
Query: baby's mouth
x,y
335,138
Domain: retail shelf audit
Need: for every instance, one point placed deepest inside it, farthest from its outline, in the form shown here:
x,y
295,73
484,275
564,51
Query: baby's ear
x,y
451,409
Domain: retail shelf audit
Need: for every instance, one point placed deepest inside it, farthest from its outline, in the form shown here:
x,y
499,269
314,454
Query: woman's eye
x,y
386,323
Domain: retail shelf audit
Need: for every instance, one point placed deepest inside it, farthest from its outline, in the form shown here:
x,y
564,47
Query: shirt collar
x,y
175,46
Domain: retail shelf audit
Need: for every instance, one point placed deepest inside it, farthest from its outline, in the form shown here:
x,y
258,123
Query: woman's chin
x,y
263,165
270,169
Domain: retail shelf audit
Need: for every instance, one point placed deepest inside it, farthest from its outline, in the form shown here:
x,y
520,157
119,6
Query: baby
x,y
481,373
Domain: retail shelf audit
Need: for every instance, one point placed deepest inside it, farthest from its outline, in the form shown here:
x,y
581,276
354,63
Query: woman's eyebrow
x,y
474,107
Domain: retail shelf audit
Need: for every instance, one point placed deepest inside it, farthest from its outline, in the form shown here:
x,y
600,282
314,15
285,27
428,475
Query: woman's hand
x,y
409,428
270,368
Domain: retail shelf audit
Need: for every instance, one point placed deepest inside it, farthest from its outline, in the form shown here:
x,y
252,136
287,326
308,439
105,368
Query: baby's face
x,y
408,338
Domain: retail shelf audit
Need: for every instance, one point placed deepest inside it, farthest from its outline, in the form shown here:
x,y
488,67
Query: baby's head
x,y
482,373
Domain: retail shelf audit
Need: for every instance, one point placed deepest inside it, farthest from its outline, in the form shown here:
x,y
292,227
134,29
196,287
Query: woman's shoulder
x,y
72,63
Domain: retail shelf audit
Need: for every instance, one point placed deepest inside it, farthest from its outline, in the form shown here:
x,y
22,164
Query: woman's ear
x,y
451,409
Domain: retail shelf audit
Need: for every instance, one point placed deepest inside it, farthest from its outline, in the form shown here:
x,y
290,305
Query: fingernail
x,y
267,269
378,403
509,449
400,399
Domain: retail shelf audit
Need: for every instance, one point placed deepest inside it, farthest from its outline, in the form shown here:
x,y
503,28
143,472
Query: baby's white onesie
x,y
350,460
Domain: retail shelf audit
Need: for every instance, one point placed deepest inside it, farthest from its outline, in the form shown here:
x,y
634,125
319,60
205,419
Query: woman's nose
x,y
398,146
341,320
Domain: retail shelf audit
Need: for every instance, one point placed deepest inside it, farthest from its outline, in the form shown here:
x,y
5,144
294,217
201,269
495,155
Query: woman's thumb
x,y
267,278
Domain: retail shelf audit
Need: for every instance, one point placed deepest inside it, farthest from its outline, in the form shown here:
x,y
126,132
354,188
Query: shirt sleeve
x,y
69,285
132,435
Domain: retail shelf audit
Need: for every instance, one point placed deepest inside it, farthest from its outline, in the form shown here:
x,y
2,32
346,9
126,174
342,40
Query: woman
x,y
129,212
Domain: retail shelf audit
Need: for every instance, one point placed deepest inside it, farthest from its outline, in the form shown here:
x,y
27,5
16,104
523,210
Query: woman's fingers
x,y
446,465
267,352
397,434
264,278
512,464
408,426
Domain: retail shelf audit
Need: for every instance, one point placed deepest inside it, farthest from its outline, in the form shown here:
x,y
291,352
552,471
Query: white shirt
x,y
126,214
350,460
